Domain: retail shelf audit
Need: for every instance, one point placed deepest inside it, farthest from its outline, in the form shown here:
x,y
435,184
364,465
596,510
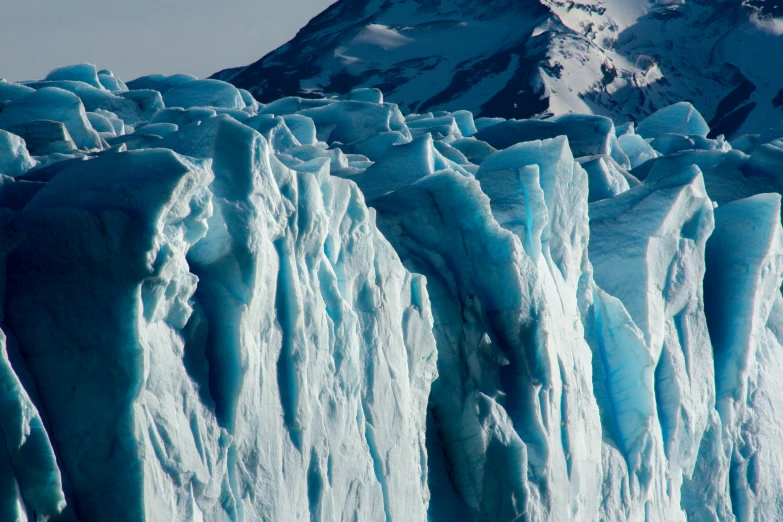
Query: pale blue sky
x,y
138,37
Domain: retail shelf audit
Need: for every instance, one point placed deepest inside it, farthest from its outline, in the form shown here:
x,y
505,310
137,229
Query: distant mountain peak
x,y
623,59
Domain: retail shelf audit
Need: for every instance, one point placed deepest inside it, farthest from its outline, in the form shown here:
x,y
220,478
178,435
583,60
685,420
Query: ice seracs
x,y
31,478
647,249
204,93
220,310
118,351
14,156
679,119
52,104
745,268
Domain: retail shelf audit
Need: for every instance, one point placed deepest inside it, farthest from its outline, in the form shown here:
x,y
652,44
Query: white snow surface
x,y
327,310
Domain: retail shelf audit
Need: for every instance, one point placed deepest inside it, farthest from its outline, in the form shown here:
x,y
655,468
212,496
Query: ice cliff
x,y
215,309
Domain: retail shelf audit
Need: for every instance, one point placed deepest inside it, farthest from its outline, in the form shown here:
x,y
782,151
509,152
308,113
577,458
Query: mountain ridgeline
x,y
619,58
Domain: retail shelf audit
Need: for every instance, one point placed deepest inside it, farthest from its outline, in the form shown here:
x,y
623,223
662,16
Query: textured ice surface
x,y
160,82
742,288
204,93
637,149
110,82
680,118
12,91
52,104
14,157
323,310
606,178
131,106
511,408
85,72
647,249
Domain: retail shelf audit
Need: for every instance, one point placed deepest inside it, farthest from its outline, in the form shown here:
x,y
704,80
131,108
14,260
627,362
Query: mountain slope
x,y
623,59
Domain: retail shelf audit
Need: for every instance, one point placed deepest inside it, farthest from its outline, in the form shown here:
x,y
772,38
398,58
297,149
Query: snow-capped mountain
x,y
517,59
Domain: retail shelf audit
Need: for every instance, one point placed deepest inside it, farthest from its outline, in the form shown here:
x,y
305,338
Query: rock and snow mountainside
x,y
516,59
215,309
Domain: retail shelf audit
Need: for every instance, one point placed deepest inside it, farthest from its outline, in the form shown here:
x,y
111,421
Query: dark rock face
x,y
767,8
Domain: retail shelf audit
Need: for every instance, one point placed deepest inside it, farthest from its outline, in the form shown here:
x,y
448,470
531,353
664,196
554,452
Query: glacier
x,y
217,309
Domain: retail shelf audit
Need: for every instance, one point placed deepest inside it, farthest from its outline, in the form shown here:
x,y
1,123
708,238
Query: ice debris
x,y
214,309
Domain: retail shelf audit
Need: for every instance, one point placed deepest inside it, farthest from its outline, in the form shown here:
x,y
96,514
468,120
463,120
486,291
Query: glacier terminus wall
x,y
215,309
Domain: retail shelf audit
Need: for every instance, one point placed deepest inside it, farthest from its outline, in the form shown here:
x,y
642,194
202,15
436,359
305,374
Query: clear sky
x,y
138,37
